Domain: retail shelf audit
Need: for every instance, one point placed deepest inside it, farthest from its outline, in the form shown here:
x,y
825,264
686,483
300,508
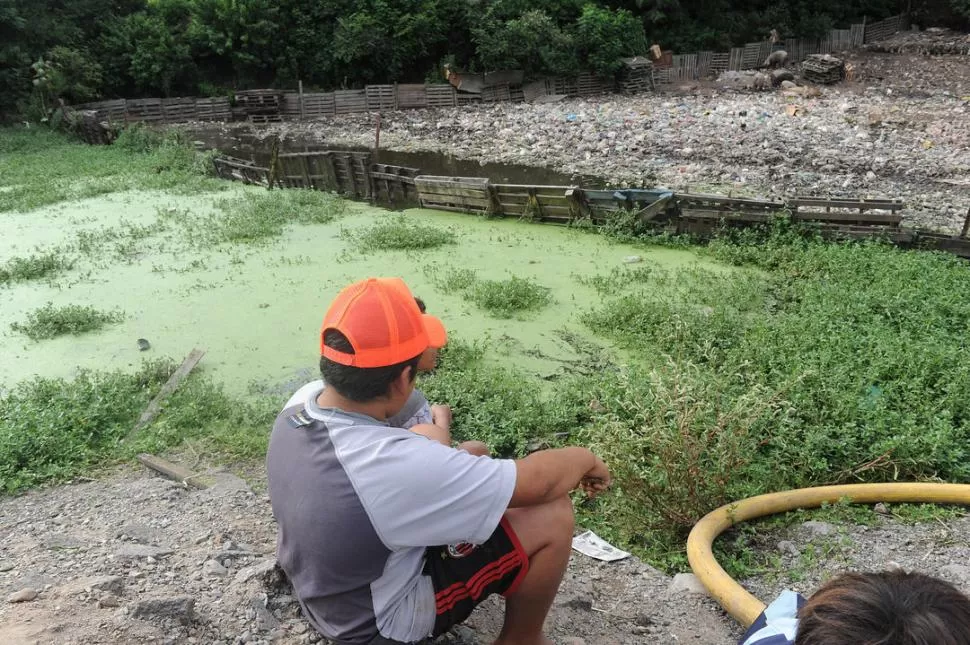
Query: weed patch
x,y
619,279
50,321
34,267
400,233
257,217
53,429
50,167
500,298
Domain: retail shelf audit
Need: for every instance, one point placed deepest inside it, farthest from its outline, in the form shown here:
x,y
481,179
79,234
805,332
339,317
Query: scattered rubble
x,y
719,139
933,41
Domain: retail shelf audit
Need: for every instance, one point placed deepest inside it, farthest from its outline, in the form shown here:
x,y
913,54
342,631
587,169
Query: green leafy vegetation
x,y
49,167
106,48
256,217
54,429
34,267
500,298
50,321
400,233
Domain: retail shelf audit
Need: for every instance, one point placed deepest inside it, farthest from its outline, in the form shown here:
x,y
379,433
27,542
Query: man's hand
x,y
596,480
441,416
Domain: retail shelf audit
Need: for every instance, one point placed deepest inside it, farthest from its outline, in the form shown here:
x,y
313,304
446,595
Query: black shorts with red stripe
x,y
464,575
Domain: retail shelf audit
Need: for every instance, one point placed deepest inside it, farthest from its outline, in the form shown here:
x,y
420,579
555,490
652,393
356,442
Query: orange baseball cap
x,y
381,319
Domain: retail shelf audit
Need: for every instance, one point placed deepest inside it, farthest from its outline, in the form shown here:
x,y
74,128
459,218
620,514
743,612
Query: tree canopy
x,y
81,50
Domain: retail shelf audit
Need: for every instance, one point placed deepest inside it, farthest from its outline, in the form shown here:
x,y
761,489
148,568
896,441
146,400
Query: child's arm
x,y
439,427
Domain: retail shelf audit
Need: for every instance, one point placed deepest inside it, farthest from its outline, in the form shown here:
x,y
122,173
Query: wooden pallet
x,y
394,184
496,93
145,110
380,97
350,101
441,96
858,212
241,170
461,194
539,203
178,110
214,109
319,104
411,97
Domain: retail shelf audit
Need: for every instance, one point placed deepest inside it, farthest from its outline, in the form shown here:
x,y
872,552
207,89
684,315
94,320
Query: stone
x,y
956,572
265,620
6,566
180,608
247,573
137,533
109,584
214,568
818,529
136,551
881,508
61,541
109,602
572,640
686,583
24,595
786,547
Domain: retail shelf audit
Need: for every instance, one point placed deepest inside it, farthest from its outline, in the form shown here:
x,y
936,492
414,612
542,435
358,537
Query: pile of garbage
x,y
823,69
931,42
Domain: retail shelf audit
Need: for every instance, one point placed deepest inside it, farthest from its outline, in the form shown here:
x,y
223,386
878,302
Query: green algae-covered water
x,y
256,310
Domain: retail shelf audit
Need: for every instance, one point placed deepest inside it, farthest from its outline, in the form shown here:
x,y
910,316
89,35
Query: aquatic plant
x,y
34,267
260,216
400,233
50,321
505,298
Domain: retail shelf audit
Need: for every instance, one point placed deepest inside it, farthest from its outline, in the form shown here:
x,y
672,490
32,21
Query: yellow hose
x,y
744,607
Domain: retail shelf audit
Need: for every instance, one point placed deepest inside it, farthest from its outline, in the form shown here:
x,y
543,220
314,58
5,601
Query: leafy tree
x,y
532,42
606,36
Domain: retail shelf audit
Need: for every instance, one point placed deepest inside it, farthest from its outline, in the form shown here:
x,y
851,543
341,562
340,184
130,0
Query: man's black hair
x,y
421,306
360,384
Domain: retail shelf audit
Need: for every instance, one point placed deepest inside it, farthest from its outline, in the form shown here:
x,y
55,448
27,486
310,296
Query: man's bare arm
x,y
547,475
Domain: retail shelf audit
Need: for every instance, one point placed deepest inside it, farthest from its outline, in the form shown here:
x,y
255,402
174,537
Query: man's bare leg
x,y
546,534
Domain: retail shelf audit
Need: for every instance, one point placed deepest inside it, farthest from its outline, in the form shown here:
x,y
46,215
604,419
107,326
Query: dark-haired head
x,y
361,384
888,608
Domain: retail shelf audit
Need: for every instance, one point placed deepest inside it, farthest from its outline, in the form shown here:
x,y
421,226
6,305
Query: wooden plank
x,y
725,215
861,204
170,386
174,471
873,218
456,199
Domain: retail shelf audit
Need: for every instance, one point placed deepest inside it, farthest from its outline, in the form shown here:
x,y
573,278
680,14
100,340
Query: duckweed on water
x,y
50,321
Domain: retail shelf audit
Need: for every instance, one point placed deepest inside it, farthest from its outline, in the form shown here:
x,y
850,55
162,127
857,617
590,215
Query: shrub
x,y
50,321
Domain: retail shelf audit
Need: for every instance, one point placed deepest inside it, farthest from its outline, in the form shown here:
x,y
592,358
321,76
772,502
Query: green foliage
x,y
500,298
606,36
129,48
257,217
400,233
50,167
493,403
34,267
50,321
505,298
53,429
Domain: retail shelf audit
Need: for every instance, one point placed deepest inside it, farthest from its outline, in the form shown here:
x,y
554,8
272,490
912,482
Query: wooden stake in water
x,y
377,133
170,386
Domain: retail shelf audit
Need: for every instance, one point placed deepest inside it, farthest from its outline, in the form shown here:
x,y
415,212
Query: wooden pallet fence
x,y
441,96
884,28
352,170
144,110
854,212
213,109
684,67
411,97
736,59
381,97
755,54
310,170
497,94
534,90
858,35
319,104
350,101
720,62
394,184
602,205
460,194
539,203
179,110
588,84
467,98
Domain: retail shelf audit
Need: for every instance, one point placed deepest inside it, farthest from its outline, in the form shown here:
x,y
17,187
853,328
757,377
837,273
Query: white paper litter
x,y
596,547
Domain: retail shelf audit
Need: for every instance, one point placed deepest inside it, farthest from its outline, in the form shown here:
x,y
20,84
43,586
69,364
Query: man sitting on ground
x,y
389,537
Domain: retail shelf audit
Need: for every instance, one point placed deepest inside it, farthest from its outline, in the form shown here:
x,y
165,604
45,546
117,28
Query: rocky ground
x,y
137,558
901,129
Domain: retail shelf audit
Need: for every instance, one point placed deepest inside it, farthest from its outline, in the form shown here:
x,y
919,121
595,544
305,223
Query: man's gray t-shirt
x,y
358,502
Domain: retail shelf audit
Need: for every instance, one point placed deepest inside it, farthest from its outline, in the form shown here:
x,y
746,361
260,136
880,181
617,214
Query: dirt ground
x,y
134,557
